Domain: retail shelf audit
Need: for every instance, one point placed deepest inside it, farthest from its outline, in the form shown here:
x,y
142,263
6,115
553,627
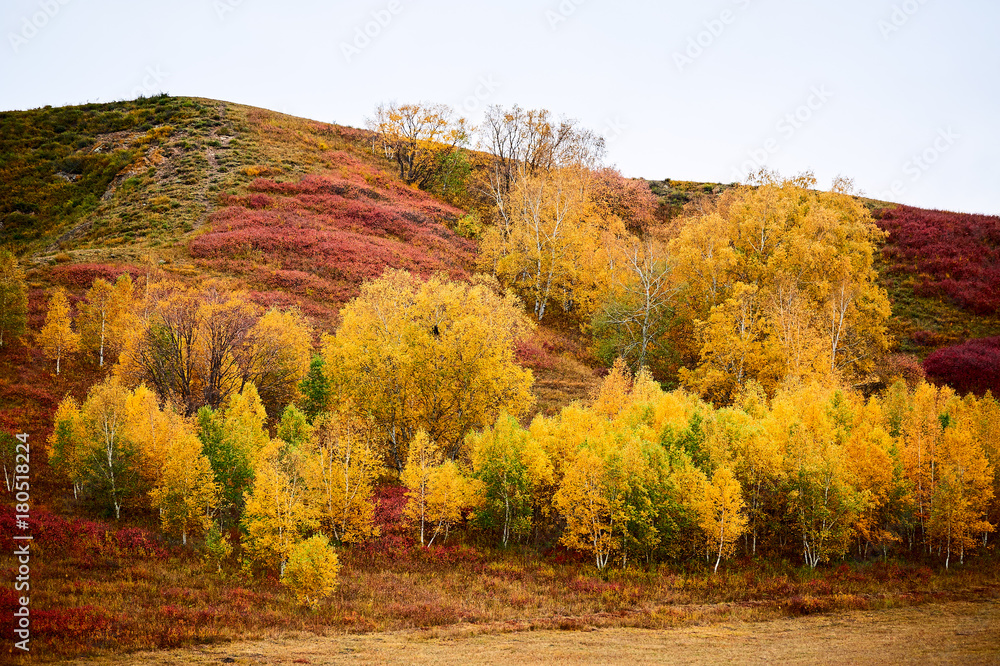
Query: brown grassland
x,y
957,632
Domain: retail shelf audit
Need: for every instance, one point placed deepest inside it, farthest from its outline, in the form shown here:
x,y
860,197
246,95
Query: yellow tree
x,y
824,503
67,443
187,493
962,493
512,467
110,458
984,421
922,429
449,494
418,137
589,511
103,314
244,423
341,467
743,439
13,297
198,347
548,253
435,355
779,280
276,512
874,467
734,348
613,394
151,430
721,513
57,337
312,571
423,459
277,357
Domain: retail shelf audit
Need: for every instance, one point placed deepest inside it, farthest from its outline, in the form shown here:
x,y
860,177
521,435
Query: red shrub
x,y
971,367
958,253
83,275
321,237
532,355
86,540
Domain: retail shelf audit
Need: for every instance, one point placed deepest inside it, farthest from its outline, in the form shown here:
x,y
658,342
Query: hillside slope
x,y
289,210
300,212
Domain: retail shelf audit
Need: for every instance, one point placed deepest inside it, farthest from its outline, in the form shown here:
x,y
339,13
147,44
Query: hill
x,y
289,211
301,212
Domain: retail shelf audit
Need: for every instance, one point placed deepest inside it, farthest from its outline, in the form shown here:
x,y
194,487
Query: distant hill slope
x,y
298,211
295,210
292,211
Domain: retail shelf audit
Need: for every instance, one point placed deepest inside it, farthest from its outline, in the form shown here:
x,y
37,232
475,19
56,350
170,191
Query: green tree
x,y
511,466
13,297
315,389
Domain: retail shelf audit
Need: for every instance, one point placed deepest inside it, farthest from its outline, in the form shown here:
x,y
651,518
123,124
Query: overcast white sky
x,y
902,93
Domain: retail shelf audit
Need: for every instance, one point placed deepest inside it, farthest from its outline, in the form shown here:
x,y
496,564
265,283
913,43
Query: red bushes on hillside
x,y
956,254
89,542
83,275
971,367
321,237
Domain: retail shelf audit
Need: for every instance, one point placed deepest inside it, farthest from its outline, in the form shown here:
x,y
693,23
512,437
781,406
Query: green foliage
x,y
230,464
511,466
294,428
217,546
315,389
13,298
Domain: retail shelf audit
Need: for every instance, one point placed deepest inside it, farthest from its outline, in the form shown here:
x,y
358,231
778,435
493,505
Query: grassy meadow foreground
x,y
947,633
454,388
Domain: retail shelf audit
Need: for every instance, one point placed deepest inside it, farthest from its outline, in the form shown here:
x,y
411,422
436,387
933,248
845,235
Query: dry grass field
x,y
946,633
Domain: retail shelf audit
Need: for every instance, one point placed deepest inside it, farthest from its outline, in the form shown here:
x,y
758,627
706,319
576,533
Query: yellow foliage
x,y
779,283
57,338
276,511
186,493
244,423
546,248
721,513
340,472
67,445
424,456
311,572
435,355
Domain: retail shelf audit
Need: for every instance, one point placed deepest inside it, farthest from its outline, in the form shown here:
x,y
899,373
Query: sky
x,y
903,96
